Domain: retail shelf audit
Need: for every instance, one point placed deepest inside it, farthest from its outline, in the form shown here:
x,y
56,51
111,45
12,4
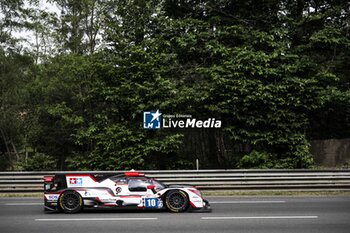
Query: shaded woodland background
x,y
73,88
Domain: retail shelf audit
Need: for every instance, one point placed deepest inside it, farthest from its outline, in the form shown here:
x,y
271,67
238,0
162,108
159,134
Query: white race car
x,y
70,193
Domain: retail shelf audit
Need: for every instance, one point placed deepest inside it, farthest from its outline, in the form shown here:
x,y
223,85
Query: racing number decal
x,y
151,202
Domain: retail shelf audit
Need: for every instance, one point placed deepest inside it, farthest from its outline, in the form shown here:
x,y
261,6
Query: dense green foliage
x,y
276,72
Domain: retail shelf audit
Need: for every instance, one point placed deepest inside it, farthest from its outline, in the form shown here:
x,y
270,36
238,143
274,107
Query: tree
x,y
80,24
130,79
320,34
238,66
16,67
274,71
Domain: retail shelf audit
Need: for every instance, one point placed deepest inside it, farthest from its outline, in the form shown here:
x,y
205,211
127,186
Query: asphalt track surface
x,y
230,214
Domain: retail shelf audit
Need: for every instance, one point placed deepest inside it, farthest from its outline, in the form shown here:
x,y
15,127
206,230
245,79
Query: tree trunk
x,y
7,148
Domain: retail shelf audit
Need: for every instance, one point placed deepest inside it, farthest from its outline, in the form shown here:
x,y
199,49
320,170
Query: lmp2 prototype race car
x,y
71,193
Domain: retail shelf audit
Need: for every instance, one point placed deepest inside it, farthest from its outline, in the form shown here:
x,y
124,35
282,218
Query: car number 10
x,y
151,202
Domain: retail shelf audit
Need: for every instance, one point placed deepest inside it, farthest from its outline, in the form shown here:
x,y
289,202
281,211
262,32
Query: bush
x,y
40,162
257,159
266,160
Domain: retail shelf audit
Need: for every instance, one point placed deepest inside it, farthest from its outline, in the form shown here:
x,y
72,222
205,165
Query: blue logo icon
x,y
151,120
79,181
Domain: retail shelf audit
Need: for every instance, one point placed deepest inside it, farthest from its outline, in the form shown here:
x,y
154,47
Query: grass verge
x,y
21,194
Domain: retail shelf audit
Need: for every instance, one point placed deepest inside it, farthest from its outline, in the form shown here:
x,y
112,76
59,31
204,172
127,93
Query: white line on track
x,y
259,217
95,219
24,203
246,202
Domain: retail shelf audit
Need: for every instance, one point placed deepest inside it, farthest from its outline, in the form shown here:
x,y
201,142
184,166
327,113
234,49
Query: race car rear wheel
x,y
70,202
176,201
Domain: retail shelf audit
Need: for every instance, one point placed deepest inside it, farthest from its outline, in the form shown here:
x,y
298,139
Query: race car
x,y
71,193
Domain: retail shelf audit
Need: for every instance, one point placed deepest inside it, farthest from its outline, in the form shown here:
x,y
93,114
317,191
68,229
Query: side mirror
x,y
152,187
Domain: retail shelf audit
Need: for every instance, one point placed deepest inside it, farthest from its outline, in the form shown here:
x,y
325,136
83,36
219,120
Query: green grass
x,y
21,194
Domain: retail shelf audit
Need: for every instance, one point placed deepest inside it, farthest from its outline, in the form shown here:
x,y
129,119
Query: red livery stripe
x,y
82,175
193,205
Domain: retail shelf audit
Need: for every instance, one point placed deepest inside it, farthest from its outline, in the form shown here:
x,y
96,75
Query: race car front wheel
x,y
70,202
176,201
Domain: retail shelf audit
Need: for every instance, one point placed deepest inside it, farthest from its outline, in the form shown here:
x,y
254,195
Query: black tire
x,y
176,201
70,202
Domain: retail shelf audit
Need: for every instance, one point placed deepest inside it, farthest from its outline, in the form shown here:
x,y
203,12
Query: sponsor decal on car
x,y
76,181
52,197
108,200
118,190
88,194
